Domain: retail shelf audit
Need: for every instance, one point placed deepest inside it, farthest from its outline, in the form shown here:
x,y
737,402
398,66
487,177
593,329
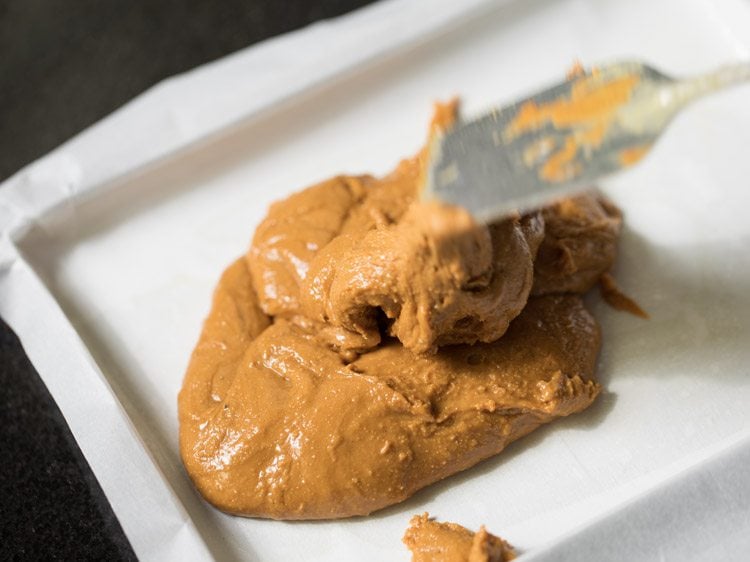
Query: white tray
x,y
112,244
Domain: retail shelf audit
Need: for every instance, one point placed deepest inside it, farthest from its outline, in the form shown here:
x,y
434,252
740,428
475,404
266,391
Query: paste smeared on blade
x,y
370,344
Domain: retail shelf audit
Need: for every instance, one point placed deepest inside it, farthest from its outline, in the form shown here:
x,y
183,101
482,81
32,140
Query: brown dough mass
x,y
344,252
580,243
370,344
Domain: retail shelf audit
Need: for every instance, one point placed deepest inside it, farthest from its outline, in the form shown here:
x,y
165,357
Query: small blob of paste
x,y
430,541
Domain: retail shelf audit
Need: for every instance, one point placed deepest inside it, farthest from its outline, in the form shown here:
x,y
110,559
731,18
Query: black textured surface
x,y
64,64
52,506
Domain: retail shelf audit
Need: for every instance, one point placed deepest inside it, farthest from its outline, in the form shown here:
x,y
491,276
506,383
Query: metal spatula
x,y
562,139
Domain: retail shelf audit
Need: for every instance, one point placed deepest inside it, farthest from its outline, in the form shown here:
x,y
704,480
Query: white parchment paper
x,y
112,243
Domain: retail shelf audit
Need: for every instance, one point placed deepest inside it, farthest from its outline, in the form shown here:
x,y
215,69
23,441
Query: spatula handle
x,y
723,77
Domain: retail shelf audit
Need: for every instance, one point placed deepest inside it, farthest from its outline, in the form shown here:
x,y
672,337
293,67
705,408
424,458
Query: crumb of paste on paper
x,y
431,541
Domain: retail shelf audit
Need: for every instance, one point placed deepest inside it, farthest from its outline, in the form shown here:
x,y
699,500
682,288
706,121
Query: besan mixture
x,y
370,343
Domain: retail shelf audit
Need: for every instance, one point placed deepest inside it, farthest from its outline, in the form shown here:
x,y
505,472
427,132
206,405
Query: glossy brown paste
x,y
370,344
430,541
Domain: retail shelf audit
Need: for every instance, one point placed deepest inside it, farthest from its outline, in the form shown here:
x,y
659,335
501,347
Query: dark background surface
x,y
64,64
